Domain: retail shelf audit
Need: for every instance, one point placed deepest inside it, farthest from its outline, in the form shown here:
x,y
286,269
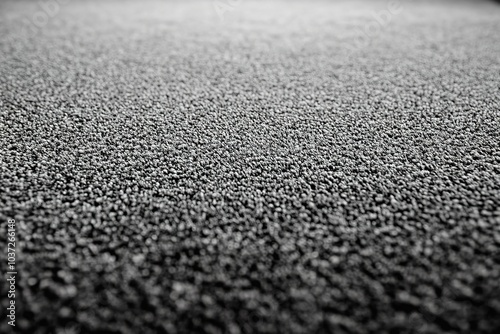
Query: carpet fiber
x,y
252,167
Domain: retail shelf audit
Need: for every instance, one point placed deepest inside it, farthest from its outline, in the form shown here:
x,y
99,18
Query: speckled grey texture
x,y
269,170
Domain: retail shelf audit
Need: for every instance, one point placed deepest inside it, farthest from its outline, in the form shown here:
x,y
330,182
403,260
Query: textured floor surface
x,y
185,167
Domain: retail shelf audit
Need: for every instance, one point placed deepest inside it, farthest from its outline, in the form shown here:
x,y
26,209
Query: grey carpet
x,y
188,167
